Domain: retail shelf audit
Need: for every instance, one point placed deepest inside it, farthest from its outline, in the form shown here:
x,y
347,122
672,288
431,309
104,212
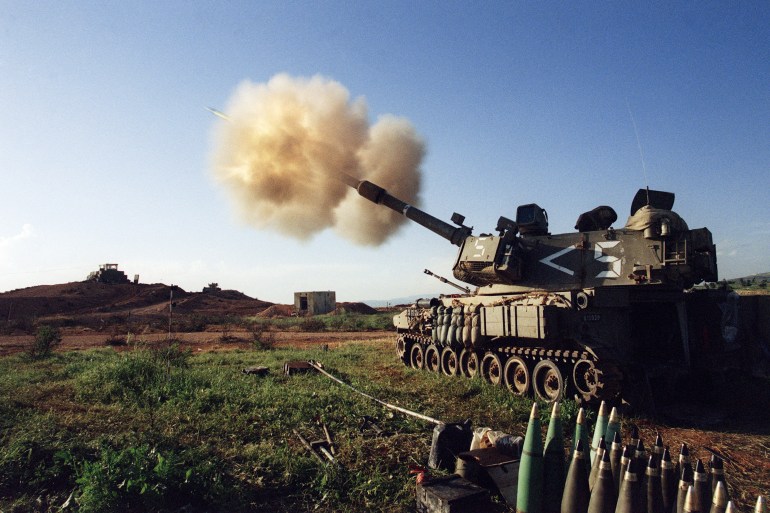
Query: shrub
x,y
140,478
142,377
311,324
46,339
116,340
261,337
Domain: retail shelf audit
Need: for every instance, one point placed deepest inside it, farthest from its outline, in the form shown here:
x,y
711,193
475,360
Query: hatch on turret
x,y
655,199
532,220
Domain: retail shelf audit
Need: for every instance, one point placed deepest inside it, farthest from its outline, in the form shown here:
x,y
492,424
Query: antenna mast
x,y
641,154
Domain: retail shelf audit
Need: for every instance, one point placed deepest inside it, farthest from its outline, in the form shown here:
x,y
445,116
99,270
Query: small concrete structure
x,y
315,303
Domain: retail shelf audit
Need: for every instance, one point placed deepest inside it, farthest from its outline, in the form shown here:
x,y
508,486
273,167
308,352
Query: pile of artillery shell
x,y
613,477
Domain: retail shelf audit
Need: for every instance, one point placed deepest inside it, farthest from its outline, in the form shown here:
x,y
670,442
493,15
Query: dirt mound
x,y
277,311
92,298
231,294
358,308
82,298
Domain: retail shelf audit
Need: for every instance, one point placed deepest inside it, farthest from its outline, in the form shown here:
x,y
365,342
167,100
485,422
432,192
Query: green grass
x,y
338,322
157,429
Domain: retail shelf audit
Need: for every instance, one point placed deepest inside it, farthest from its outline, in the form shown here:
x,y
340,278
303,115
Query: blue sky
x,y
105,144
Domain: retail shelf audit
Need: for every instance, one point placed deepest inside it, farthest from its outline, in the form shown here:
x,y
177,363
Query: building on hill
x,y
109,273
315,303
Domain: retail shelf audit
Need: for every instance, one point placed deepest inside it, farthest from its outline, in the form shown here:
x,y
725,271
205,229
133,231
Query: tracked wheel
x,y
595,381
548,381
401,348
491,368
469,363
585,376
450,362
432,358
516,376
417,356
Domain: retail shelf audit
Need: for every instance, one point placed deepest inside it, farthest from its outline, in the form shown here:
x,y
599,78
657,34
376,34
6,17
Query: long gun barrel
x,y
444,280
376,194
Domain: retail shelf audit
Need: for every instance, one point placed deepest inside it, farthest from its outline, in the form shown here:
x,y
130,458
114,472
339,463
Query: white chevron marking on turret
x,y
549,260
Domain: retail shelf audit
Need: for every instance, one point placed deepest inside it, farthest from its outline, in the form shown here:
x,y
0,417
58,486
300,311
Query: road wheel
x,y
516,376
585,378
432,359
417,356
401,348
449,361
547,381
469,363
492,368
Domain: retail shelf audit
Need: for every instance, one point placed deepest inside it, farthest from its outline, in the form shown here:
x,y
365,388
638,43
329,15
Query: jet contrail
x,y
218,113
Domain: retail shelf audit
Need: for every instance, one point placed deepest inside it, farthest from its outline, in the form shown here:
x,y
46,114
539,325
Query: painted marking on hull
x,y
599,256
549,260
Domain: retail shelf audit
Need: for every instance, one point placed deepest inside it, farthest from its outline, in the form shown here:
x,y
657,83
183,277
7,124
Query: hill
x,y
125,299
134,307
754,282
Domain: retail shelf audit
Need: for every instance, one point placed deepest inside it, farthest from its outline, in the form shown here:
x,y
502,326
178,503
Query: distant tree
x,y
763,284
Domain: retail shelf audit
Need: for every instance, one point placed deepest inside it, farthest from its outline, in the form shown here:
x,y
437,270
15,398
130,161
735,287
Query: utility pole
x,y
170,310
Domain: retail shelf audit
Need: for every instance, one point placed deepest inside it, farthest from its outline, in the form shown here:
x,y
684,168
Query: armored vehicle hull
x,y
593,344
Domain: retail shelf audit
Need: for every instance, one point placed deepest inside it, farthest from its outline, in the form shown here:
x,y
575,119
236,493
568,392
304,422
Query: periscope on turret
x,y
594,314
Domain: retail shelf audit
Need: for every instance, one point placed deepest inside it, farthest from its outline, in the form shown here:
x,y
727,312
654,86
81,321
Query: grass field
x,y
156,429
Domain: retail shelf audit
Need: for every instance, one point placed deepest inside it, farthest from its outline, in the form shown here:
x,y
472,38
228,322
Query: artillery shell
x,y
626,459
719,501
616,451
761,507
640,455
553,463
685,484
613,426
658,449
603,496
684,460
576,493
717,474
530,486
600,429
581,433
633,435
601,449
702,487
690,502
668,481
629,496
654,495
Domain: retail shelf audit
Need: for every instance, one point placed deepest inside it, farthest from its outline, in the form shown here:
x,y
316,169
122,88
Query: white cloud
x,y
10,243
27,231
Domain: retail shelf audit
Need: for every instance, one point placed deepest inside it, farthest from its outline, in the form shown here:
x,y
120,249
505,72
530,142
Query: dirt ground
x,y
206,341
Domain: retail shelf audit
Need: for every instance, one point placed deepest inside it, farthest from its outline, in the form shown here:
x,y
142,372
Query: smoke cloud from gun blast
x,y
284,144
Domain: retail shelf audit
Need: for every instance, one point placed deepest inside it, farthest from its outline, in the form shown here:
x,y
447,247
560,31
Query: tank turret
x,y
654,248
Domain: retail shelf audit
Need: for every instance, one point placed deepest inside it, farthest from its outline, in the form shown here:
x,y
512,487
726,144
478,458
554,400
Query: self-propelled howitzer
x,y
593,313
